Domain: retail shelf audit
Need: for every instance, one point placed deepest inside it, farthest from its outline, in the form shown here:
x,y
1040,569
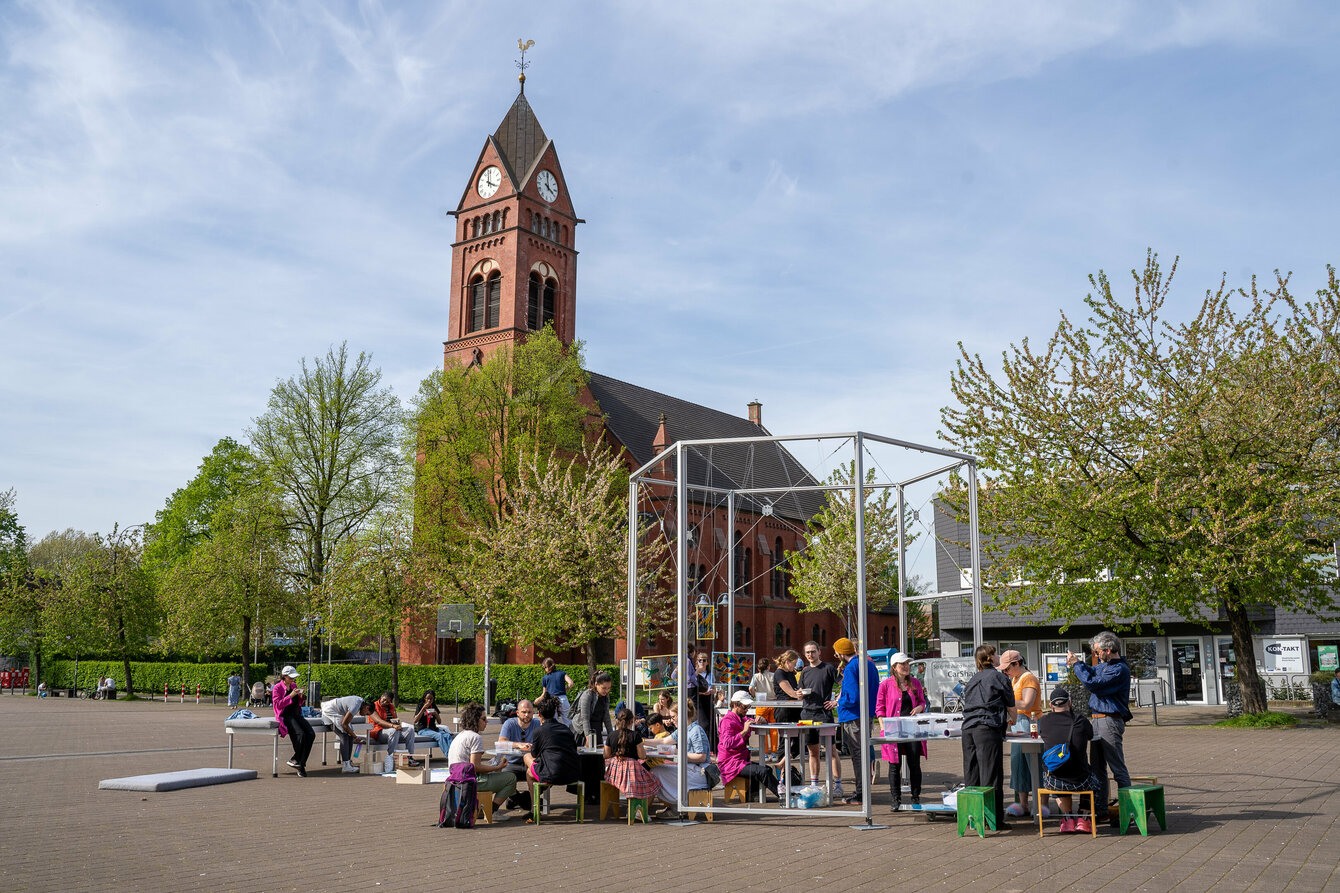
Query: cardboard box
x,y
411,770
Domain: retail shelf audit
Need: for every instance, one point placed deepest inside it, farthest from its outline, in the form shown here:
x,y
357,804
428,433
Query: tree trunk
x,y
395,669
35,656
590,660
246,643
125,656
1253,690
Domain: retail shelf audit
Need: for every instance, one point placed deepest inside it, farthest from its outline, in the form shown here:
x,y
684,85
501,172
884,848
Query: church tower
x,y
513,265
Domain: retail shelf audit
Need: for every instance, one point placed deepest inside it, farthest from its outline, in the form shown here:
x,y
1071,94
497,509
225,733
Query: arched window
x,y
739,634
533,305
823,637
778,572
550,289
484,225
702,575
485,301
544,227
737,557
497,221
534,222
777,636
748,637
564,240
474,228
742,583
814,632
788,637
504,218
692,573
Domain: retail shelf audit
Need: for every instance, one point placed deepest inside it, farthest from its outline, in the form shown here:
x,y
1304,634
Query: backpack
x,y
459,803
507,709
1055,757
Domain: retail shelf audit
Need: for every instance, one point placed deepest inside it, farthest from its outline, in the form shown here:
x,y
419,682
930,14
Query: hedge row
x,y
453,683
148,677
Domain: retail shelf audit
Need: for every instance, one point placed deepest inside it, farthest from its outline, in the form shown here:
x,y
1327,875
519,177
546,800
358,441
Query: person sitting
x,y
428,721
340,713
553,757
385,725
287,702
624,758
697,757
733,748
109,689
1062,725
519,731
491,777
639,716
665,708
42,689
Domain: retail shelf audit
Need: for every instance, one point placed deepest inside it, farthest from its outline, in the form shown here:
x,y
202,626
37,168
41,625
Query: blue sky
x,y
809,204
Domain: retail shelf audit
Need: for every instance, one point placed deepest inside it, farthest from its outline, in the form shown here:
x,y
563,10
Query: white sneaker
x,y
350,769
837,790
388,766
501,814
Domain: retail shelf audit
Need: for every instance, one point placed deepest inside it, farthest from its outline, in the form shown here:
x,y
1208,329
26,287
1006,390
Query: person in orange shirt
x,y
1028,701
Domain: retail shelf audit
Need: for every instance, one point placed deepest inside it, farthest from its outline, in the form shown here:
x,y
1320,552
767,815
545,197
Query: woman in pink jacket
x,y
287,699
902,694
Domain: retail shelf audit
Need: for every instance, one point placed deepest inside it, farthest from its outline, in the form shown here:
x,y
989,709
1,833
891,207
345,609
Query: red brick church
x,y
514,269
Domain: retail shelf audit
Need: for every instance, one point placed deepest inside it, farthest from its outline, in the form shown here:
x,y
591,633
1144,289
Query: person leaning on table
x,y
988,708
341,712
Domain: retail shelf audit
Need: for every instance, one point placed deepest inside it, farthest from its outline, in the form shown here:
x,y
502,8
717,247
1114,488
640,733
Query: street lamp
x,y
312,621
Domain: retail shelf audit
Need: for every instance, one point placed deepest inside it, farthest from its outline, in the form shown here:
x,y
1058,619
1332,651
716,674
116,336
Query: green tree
x,y
185,519
21,590
330,440
555,572
373,585
472,429
824,573
1137,465
235,576
60,553
108,603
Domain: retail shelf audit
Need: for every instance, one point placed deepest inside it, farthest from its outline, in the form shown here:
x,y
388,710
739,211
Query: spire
x,y
522,44
662,441
520,138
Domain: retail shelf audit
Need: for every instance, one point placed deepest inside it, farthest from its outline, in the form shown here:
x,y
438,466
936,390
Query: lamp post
x,y
312,621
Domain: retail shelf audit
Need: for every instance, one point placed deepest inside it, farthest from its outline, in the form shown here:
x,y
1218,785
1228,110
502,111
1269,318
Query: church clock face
x,y
489,181
547,183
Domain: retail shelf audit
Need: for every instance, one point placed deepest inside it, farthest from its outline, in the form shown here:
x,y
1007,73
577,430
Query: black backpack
x,y
506,709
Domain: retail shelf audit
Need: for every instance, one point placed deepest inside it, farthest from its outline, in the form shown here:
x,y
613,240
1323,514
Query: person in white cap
x,y
733,747
287,699
902,694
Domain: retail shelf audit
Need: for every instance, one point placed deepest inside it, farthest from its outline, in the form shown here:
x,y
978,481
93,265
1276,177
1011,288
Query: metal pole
x,y
902,574
863,759
631,639
488,658
731,582
975,545
681,621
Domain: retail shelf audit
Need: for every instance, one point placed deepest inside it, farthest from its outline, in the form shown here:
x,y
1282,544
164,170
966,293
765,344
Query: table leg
x,y
230,749
786,769
325,745
1036,757
274,769
826,754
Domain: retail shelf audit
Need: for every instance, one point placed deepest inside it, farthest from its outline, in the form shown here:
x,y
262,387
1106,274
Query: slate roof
x,y
520,138
632,414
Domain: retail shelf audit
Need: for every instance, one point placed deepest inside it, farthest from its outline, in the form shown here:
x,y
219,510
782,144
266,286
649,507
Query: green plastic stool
x,y
537,788
639,804
1136,802
976,808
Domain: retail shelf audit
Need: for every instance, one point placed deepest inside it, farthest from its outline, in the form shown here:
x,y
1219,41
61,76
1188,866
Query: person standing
x,y
858,682
1028,703
287,700
591,715
555,684
786,687
234,690
902,694
760,689
703,694
817,681
1109,685
988,709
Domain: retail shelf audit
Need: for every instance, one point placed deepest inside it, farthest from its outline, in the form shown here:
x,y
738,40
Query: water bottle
x,y
358,746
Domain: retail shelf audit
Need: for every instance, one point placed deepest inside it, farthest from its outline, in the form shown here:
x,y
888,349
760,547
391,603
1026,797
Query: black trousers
x,y
982,766
909,755
757,775
300,734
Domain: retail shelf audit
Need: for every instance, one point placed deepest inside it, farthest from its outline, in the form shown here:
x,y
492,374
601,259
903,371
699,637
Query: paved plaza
x,y
1248,810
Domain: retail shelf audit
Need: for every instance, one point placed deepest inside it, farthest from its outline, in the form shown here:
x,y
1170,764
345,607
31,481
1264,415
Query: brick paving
x,y
1248,810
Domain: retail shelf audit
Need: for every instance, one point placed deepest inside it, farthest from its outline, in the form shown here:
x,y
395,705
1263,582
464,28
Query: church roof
x,y
632,414
520,138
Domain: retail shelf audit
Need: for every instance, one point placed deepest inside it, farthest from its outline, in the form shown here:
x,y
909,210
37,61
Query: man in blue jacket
x,y
849,709
1109,685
